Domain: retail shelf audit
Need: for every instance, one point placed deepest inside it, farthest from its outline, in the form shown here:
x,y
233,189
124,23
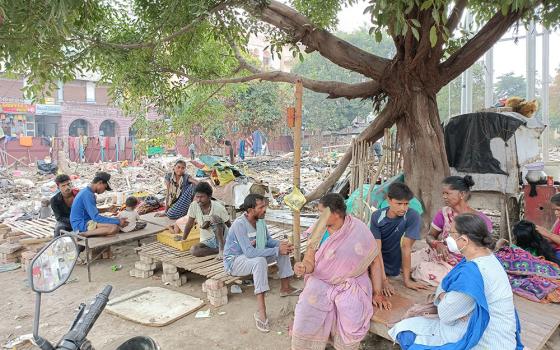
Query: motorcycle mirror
x,y
53,265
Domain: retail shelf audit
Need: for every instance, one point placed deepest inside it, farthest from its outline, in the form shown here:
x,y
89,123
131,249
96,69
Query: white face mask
x,y
452,245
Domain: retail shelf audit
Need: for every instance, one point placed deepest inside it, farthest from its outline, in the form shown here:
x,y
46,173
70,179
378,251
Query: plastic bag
x,y
225,176
45,168
295,200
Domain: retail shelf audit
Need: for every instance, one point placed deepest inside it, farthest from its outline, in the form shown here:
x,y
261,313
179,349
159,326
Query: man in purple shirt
x,y
84,215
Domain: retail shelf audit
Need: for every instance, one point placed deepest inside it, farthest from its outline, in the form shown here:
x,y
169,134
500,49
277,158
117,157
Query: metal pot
x,y
535,176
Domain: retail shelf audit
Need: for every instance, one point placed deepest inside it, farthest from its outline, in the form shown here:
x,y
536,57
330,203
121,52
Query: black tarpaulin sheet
x,y
468,136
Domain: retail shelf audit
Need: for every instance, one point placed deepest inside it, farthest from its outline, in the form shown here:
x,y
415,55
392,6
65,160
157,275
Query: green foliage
x,y
398,17
321,113
449,97
323,13
510,85
153,52
554,98
262,106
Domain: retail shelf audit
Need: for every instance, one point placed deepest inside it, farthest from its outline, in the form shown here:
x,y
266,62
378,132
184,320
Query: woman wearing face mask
x,y
433,263
474,303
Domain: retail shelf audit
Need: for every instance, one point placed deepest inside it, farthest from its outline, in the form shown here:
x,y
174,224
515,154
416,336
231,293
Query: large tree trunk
x,y
420,137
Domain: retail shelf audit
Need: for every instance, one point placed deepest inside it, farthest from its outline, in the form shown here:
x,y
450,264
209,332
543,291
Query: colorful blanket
x,y
531,277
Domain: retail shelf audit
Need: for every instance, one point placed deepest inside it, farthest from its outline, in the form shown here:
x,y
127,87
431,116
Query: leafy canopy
x,y
154,52
321,113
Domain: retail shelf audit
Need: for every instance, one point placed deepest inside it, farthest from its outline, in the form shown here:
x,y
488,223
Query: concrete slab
x,y
153,306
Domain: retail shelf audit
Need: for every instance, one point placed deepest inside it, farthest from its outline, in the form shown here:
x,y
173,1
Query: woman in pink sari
x,y
336,304
431,264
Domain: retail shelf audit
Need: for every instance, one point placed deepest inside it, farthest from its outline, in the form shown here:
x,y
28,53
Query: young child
x,y
45,211
395,229
131,215
554,236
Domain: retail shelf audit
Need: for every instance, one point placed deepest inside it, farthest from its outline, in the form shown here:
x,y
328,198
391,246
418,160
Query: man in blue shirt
x,y
84,215
395,229
250,248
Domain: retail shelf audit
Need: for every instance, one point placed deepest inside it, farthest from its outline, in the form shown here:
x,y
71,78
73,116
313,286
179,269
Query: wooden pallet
x,y
37,228
207,266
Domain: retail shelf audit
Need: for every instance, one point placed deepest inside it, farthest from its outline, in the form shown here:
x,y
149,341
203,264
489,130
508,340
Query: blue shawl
x,y
465,278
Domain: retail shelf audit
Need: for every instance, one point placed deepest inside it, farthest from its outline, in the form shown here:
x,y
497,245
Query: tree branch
x,y
150,44
334,49
456,14
467,55
372,133
334,89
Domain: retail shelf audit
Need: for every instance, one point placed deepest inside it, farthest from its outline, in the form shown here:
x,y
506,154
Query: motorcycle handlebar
x,y
73,339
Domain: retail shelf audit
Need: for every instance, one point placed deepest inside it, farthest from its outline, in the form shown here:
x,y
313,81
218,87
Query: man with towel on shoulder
x,y
250,248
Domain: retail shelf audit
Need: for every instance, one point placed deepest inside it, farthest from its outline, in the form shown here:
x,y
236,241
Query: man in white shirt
x,y
212,218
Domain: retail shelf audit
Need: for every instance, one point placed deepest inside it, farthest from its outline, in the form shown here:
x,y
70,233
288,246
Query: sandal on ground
x,y
261,325
294,293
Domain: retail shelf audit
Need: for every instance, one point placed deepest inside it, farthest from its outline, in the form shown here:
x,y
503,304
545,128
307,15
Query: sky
x,y
508,55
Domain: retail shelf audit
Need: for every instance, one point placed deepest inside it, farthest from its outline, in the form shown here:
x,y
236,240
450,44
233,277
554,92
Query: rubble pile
x,y
16,247
21,191
277,172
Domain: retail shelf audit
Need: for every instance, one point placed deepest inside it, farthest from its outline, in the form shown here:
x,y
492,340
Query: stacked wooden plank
x,y
20,240
38,228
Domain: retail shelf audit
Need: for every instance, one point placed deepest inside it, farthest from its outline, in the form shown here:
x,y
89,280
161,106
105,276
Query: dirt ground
x,y
233,330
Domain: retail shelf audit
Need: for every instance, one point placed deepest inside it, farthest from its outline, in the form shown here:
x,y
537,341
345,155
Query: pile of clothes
x,y
531,277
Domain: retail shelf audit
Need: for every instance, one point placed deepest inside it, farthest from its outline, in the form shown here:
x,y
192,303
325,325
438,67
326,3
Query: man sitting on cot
x,y
84,215
212,218
395,229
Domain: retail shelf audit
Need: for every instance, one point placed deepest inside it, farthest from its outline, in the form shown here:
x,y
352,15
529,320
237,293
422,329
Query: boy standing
x,y
395,229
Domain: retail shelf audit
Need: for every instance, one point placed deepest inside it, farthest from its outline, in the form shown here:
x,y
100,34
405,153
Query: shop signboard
x,y
17,108
42,109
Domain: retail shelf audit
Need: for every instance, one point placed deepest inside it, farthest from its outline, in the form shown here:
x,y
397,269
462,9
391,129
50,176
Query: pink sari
x,y
337,299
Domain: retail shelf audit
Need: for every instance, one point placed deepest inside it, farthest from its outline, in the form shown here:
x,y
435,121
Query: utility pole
x,y
489,81
544,93
467,79
531,50
297,167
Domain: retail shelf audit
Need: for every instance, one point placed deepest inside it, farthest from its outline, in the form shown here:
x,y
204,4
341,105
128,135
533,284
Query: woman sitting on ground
x,y
179,191
336,303
432,264
474,301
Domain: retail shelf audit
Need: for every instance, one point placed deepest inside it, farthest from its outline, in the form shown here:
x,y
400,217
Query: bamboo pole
x,y
360,176
297,166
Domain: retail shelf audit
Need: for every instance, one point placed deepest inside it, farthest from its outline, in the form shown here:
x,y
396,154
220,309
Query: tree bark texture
x,y
420,137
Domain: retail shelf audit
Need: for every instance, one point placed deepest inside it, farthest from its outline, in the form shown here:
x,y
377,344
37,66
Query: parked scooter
x,y
49,270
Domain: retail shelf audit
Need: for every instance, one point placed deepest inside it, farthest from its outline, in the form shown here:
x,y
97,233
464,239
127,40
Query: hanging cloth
x,y
117,149
26,141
